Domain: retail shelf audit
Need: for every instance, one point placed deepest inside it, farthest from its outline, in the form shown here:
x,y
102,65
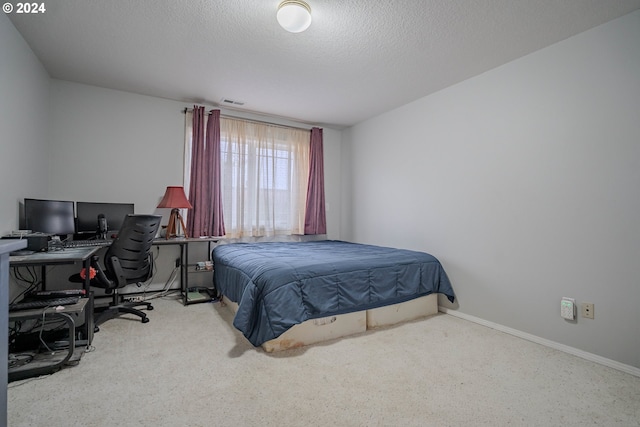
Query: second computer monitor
x,y
88,213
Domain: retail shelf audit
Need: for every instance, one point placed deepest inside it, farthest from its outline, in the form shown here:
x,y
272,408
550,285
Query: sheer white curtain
x,y
264,175
264,178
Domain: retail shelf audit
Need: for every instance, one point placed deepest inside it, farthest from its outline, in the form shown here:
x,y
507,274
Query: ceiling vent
x,y
228,101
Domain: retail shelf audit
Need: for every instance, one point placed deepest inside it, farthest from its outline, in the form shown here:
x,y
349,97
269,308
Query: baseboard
x,y
548,343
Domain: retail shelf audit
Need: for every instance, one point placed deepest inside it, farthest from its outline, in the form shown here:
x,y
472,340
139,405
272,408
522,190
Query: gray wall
x,y
24,124
524,182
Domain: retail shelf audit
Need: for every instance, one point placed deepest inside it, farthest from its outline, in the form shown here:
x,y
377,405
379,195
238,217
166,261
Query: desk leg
x,y
88,313
209,258
43,274
184,260
87,277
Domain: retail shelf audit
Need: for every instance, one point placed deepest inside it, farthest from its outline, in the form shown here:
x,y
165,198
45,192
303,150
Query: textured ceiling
x,y
358,59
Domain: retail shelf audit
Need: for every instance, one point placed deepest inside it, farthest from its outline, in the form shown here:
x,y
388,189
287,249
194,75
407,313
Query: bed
x,y
277,286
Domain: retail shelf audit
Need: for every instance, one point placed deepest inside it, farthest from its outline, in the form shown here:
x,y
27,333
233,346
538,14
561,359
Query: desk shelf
x,y
199,294
42,363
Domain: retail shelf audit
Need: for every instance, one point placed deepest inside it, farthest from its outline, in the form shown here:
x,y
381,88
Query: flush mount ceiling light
x,y
294,15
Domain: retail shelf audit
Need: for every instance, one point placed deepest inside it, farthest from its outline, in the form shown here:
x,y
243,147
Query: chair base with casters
x,y
117,307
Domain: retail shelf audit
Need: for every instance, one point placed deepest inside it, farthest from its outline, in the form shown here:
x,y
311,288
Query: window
x,y
264,174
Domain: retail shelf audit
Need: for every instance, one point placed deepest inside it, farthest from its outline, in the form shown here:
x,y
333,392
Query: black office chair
x,y
127,260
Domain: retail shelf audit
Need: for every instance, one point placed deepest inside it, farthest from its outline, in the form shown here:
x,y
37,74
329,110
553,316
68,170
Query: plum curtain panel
x,y
206,217
216,187
315,221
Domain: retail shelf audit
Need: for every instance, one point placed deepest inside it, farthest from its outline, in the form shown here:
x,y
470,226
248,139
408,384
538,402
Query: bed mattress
x,y
279,285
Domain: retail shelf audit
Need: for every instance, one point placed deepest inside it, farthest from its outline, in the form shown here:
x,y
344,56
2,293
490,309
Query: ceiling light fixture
x,y
294,15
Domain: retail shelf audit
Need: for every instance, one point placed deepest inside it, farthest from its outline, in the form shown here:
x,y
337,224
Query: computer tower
x,y
35,242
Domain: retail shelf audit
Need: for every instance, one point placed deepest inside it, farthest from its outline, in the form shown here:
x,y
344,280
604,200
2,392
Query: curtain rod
x,y
226,116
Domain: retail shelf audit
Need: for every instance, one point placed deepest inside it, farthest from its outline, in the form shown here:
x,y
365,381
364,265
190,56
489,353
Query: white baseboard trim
x,y
548,343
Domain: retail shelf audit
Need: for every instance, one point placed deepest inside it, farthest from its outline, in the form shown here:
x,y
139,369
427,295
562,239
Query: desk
x,y
46,363
64,256
184,242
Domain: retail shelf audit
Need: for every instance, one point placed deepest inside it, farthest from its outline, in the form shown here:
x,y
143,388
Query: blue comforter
x,y
278,285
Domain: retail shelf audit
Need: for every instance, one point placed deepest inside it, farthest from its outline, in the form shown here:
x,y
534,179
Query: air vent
x,y
231,101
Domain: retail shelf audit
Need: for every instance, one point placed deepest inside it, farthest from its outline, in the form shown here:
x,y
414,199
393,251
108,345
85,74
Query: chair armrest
x,y
121,281
101,277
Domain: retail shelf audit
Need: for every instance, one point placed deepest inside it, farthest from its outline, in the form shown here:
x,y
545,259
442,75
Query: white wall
x,y
333,179
24,124
524,182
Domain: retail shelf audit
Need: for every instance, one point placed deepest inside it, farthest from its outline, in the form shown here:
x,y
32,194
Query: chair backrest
x,y
132,247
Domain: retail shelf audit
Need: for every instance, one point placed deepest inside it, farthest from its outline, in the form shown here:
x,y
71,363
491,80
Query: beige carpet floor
x,y
189,367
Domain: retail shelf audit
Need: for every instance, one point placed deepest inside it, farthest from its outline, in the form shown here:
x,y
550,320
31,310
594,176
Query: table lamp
x,y
175,199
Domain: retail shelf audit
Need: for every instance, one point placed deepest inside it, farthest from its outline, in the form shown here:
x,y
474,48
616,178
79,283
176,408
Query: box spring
x,y
332,327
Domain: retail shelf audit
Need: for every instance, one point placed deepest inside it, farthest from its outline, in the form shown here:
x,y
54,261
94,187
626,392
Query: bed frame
x,y
328,328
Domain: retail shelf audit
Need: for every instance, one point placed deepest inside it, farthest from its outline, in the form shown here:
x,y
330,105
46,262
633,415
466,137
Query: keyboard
x,y
43,303
86,243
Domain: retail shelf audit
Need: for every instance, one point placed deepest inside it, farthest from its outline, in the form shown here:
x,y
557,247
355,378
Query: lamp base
x,y
172,227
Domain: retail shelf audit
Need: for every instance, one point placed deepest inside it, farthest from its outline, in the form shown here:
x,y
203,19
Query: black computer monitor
x,y
88,213
49,216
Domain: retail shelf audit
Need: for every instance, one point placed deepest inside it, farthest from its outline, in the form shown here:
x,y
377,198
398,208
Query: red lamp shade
x,y
174,197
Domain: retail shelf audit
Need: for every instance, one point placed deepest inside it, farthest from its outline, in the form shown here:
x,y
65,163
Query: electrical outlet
x,y
568,308
587,310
